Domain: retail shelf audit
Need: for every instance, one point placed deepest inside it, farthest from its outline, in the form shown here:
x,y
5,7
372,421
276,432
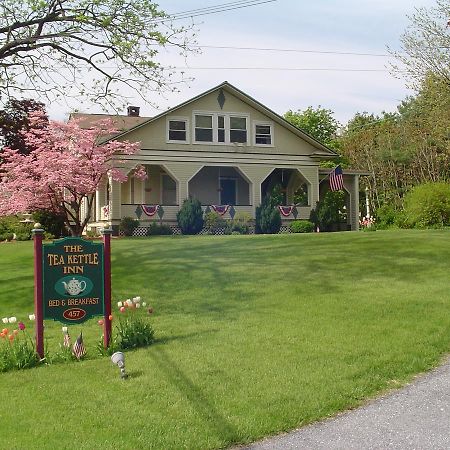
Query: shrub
x,y
428,205
128,225
23,231
241,223
386,216
214,222
7,226
190,216
268,218
51,222
6,236
159,230
328,210
301,226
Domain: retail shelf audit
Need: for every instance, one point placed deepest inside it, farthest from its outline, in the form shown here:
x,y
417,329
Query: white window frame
x,y
178,119
264,124
215,123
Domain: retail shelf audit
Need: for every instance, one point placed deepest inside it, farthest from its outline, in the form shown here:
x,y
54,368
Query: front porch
x,y
238,189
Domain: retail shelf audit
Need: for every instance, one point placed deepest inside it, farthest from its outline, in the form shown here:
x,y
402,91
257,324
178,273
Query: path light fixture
x,y
118,359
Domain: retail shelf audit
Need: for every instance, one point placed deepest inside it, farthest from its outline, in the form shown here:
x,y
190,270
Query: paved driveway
x,y
415,417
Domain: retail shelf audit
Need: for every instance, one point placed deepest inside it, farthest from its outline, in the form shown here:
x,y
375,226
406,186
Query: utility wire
x,y
327,69
326,52
212,10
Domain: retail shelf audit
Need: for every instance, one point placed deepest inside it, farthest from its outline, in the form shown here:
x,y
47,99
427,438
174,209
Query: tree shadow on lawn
x,y
212,418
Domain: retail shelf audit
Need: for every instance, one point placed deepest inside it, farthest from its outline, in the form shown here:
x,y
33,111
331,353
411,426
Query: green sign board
x,y
73,280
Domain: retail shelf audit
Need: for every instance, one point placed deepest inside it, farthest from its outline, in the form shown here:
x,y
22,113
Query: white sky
x,y
360,26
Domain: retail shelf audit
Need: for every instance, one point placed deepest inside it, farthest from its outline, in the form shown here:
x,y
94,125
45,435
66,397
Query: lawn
x,y
256,335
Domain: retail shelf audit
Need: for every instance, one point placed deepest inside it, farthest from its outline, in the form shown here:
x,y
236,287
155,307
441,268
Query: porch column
x,y
183,173
256,174
100,200
351,182
115,202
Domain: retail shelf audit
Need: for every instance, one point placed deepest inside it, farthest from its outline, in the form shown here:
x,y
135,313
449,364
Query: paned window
x,y
263,135
177,130
203,128
238,129
221,128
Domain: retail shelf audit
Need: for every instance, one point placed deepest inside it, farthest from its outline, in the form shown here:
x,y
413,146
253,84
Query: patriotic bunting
x,y
150,210
286,210
220,209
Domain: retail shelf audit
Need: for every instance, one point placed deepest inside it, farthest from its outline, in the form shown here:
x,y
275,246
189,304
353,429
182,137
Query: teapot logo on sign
x,y
73,282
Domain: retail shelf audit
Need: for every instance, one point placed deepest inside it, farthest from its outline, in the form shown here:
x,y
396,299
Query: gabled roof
x,y
322,151
121,123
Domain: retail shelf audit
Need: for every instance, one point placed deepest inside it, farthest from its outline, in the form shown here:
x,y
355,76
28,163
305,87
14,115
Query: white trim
x,y
215,123
187,126
265,124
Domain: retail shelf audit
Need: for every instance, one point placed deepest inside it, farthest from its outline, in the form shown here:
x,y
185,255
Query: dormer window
x,y
203,128
238,129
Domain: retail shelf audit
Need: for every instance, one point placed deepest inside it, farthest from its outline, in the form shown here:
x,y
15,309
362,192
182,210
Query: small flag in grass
x,y
79,349
66,341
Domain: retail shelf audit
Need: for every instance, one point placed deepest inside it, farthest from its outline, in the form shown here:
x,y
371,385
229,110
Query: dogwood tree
x,y
63,170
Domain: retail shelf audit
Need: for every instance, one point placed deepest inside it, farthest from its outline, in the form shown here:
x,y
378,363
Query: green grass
x,y
256,335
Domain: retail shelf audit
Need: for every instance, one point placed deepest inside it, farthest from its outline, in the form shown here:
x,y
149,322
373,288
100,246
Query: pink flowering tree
x,y
64,169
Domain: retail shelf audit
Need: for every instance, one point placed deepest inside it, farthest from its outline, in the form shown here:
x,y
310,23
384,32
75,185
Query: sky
x,y
313,29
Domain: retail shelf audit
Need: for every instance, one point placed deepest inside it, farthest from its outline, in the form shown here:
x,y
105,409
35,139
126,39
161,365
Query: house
x,y
224,148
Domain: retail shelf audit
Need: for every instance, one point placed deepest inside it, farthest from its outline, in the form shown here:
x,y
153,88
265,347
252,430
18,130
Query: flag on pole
x,y
78,348
336,179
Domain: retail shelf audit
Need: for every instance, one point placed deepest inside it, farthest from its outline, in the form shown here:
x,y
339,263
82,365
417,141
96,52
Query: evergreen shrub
x,y
128,225
159,230
267,217
190,217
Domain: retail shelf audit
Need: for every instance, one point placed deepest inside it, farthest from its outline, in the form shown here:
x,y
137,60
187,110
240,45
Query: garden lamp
x,y
118,358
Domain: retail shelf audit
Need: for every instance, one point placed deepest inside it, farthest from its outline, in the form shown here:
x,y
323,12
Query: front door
x,y
227,191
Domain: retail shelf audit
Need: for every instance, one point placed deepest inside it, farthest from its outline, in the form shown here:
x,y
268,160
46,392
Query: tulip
x,y
129,302
2,335
144,304
122,309
5,331
12,320
31,317
21,326
11,337
100,322
137,305
15,332
5,320
110,318
119,304
64,330
138,299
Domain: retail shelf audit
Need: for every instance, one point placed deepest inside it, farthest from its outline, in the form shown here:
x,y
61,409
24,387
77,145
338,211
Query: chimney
x,y
133,111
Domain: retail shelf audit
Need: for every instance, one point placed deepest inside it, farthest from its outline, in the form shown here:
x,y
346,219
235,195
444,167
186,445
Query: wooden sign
x,y
73,288
72,282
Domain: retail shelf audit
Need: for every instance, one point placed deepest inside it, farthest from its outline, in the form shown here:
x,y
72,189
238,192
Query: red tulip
x,y
110,318
21,326
122,309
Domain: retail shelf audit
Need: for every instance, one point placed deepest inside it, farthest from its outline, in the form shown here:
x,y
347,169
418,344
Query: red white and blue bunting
x,y
220,209
286,211
105,211
150,210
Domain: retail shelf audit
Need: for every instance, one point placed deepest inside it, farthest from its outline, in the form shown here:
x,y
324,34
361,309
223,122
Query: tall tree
x,y
425,44
318,123
14,119
88,47
63,170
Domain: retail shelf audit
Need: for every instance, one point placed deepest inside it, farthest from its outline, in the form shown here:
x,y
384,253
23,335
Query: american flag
x,y
336,179
66,341
79,349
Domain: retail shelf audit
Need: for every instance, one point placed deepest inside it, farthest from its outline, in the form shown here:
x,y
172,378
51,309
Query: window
x,y
203,128
238,129
263,134
220,128
177,130
227,191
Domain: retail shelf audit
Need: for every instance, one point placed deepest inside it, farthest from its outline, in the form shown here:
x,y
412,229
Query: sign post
x,y
72,279
107,271
38,234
